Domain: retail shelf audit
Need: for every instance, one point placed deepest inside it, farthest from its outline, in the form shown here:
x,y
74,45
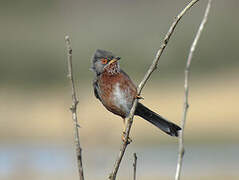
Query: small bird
x,y
116,91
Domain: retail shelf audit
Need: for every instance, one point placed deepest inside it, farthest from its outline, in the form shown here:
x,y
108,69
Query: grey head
x,y
101,59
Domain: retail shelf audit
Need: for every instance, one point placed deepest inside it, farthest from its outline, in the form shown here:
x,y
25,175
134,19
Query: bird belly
x,y
117,93
122,98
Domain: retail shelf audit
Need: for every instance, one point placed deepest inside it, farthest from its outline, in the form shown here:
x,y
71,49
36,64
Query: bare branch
x,y
129,119
186,88
135,165
73,108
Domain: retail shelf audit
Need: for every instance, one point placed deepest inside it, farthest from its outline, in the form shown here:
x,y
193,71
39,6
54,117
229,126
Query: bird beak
x,y
114,60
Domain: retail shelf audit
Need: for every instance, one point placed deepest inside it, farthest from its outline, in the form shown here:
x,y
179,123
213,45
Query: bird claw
x,y
139,97
128,141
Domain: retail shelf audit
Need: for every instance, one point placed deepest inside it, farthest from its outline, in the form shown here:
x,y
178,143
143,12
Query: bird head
x,y
103,59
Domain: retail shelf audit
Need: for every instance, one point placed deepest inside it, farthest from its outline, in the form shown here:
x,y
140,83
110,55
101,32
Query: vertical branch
x,y
129,119
186,90
73,108
135,165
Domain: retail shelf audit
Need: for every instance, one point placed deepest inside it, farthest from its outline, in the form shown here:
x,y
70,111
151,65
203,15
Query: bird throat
x,y
112,69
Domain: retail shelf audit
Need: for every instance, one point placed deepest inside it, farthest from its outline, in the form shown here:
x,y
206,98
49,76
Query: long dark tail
x,y
166,126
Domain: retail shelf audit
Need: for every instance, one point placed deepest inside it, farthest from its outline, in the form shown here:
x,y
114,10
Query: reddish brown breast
x,y
117,92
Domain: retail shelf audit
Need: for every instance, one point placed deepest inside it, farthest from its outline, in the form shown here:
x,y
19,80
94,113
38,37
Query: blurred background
x,y
36,130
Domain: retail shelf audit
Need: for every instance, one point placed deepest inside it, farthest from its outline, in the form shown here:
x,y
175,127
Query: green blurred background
x,y
36,131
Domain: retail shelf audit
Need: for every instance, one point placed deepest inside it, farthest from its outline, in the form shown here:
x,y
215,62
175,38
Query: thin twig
x,y
186,90
129,119
73,108
135,165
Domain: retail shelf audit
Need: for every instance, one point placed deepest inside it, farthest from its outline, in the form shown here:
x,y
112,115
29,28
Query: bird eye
x,y
104,61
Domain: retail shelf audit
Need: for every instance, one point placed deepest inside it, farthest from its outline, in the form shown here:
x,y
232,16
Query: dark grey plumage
x,y
142,111
157,120
97,66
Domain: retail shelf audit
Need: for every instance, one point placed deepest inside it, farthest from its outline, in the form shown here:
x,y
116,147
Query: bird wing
x,y
96,88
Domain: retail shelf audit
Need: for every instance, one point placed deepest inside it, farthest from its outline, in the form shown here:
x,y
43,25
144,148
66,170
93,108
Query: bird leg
x,y
139,97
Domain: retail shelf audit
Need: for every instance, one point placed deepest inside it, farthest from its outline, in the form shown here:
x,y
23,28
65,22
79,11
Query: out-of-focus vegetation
x,y
35,94
32,38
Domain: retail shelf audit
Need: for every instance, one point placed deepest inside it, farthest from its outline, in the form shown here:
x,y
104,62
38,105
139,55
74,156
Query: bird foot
x,y
128,141
139,97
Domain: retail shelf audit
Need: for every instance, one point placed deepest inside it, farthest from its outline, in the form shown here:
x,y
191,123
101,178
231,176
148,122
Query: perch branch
x,y
129,119
135,165
186,90
73,108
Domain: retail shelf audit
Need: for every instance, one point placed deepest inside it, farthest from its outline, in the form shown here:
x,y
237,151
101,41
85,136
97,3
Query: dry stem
x,y
135,165
73,108
186,88
129,119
